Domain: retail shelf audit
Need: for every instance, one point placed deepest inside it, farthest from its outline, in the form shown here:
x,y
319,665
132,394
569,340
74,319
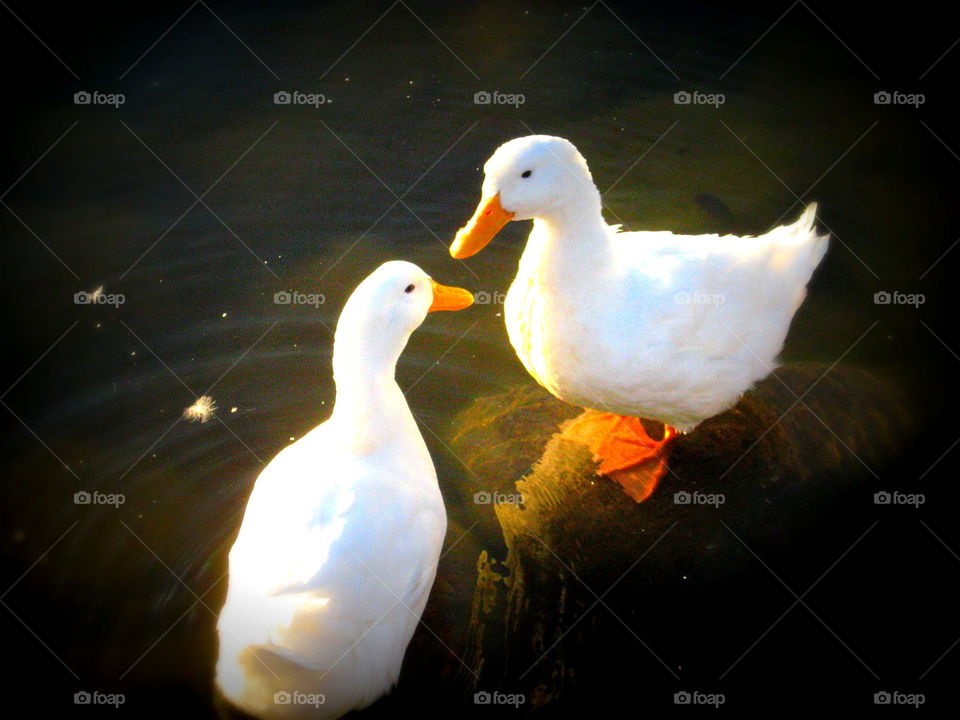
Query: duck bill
x,y
449,298
486,222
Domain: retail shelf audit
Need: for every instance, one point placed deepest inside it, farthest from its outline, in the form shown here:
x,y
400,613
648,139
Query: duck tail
x,y
806,226
808,218
795,252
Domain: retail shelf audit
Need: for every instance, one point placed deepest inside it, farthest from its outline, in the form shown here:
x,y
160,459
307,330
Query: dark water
x,y
312,199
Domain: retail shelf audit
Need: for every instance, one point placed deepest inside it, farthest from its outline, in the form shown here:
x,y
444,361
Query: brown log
x,y
802,448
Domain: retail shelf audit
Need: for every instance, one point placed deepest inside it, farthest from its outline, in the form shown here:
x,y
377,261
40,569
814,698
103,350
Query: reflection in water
x,y
307,200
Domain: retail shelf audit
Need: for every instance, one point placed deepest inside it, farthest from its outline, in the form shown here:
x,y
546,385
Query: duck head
x,y
383,311
538,176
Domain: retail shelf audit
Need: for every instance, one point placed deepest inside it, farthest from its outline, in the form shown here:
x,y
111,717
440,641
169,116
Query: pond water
x,y
199,199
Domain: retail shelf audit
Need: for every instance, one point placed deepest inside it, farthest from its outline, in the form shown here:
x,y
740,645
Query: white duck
x,y
340,540
673,328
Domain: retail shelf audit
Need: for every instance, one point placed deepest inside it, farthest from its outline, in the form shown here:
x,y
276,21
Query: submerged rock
x,y
714,207
595,596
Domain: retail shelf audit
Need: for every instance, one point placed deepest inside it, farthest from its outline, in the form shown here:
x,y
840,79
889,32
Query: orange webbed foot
x,y
624,450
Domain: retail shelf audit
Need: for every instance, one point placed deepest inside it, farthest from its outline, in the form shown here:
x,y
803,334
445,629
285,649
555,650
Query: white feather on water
x,y
202,409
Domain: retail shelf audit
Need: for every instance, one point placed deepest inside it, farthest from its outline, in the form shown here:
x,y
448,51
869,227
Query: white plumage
x,y
646,324
340,540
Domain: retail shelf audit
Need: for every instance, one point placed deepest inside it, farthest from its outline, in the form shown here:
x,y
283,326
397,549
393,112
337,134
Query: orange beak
x,y
486,222
449,298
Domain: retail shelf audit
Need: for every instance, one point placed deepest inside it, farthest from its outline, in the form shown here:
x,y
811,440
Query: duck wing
x,y
720,296
327,547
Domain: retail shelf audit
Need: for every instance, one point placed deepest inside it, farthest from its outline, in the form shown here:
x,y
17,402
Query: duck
x,y
634,326
340,539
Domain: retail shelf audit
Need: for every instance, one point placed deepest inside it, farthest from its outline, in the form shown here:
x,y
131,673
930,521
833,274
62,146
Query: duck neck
x,y
369,404
572,237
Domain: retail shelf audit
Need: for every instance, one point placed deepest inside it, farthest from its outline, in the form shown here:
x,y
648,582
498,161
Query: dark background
x,y
78,616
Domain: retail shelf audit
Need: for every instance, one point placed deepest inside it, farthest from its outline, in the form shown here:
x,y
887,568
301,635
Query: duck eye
x,y
526,173
410,288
